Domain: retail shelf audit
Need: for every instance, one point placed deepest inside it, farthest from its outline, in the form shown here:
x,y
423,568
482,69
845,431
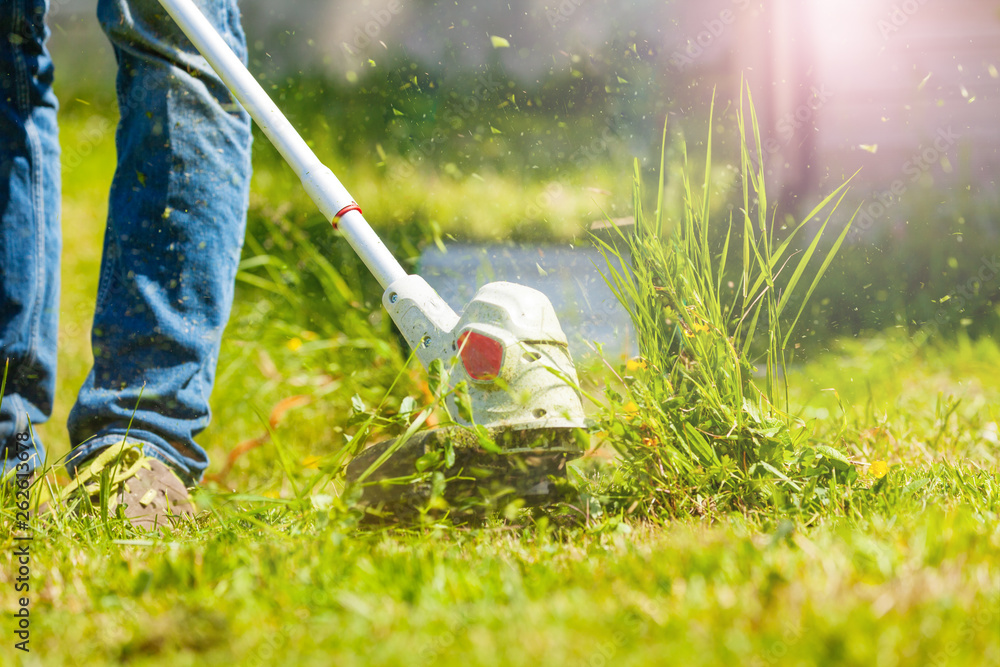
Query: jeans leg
x,y
176,221
29,227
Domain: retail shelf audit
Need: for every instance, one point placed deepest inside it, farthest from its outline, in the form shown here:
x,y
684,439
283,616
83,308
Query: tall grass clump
x,y
703,423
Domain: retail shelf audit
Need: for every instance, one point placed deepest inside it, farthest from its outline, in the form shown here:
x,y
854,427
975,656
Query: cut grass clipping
x,y
696,431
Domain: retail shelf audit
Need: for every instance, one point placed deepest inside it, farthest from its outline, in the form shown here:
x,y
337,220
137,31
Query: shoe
x,y
150,494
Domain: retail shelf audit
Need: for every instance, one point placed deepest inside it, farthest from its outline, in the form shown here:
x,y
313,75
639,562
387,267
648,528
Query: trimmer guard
x,y
529,468
507,347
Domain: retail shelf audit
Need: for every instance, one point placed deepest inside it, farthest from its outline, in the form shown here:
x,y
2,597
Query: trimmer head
x,y
509,353
507,347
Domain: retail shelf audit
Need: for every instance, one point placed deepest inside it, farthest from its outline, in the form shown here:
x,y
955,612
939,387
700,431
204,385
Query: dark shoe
x,y
150,494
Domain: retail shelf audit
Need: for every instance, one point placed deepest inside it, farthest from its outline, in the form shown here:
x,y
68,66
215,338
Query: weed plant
x,y
697,426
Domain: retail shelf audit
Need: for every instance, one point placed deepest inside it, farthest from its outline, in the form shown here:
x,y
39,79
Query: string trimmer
x,y
506,353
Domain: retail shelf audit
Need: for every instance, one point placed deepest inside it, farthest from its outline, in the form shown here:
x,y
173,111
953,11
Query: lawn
x,y
912,579
901,566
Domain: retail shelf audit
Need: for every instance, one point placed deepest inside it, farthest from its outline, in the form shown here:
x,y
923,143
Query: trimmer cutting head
x,y
507,348
508,352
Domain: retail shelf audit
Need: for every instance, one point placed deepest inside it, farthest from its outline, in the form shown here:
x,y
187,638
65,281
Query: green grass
x,y
904,570
914,579
708,308
700,595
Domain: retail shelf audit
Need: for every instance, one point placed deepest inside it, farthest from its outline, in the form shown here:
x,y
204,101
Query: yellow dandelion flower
x,y
294,344
634,364
630,407
879,469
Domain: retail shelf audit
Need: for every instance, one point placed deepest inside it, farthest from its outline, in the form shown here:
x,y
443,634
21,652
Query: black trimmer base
x,y
448,469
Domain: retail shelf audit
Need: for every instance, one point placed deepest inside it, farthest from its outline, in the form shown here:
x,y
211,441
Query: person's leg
x,y
29,227
176,219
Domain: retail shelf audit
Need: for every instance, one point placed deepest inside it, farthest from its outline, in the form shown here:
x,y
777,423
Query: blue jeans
x,y
176,220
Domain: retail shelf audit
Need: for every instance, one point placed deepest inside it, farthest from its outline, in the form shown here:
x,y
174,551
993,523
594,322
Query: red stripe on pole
x,y
344,211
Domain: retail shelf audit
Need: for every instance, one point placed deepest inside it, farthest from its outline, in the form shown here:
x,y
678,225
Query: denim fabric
x,y
176,220
29,224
